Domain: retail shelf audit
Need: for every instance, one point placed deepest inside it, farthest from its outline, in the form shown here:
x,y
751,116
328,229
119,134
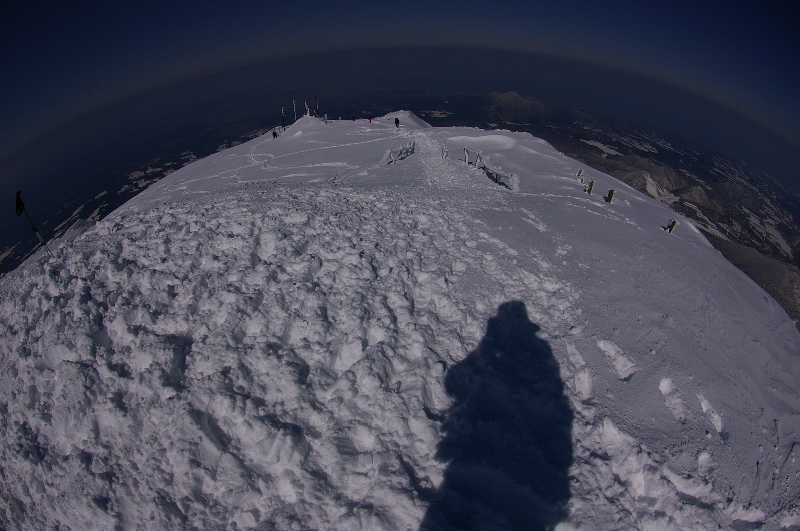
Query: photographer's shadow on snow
x,y
507,437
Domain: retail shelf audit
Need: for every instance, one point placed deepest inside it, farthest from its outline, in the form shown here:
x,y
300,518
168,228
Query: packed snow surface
x,y
295,334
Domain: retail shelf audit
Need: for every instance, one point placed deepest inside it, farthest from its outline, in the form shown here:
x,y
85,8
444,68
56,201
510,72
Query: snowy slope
x,y
294,334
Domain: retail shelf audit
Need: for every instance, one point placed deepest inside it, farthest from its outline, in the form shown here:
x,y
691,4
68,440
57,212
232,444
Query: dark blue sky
x,y
63,59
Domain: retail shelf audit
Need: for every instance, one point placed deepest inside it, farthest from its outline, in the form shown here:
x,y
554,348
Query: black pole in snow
x,y
20,209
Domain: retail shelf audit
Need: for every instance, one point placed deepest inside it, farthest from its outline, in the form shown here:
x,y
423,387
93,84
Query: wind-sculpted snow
x,y
293,334
274,363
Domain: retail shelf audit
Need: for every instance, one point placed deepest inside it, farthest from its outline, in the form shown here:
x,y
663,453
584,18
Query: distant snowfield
x,y
293,334
602,147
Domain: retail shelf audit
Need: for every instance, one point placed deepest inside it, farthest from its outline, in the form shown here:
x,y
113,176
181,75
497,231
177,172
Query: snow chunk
x,y
582,380
55,355
673,399
713,417
694,490
623,365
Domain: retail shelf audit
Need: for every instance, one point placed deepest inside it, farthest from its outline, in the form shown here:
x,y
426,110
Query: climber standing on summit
x,y
397,123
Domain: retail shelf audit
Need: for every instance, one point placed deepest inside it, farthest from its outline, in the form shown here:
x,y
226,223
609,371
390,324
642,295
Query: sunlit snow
x,y
296,334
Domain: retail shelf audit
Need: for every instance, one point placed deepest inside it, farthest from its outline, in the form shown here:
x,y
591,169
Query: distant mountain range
x,y
747,215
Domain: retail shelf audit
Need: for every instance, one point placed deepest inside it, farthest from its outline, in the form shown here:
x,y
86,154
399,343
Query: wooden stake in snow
x,y
610,196
589,188
580,172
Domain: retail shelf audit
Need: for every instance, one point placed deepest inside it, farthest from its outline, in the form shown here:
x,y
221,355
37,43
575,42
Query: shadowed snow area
x,y
294,334
507,435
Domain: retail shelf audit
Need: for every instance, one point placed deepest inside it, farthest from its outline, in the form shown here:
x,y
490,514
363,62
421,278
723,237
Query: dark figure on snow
x,y
671,226
397,123
353,117
370,118
20,204
507,439
274,134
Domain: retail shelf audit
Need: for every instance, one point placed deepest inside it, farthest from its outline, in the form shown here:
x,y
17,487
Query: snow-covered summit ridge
x,y
306,151
293,333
